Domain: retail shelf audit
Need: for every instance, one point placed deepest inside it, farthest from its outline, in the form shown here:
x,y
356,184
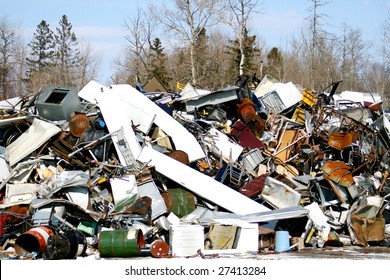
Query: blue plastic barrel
x,y
282,241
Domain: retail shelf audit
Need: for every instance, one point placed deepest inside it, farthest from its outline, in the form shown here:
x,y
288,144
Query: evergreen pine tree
x,y
67,52
201,57
158,63
250,50
42,48
275,64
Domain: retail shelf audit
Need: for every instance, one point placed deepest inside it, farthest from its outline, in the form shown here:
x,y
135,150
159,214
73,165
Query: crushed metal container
x,y
58,103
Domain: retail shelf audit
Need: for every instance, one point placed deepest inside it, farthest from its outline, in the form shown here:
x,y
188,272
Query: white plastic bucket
x,y
282,241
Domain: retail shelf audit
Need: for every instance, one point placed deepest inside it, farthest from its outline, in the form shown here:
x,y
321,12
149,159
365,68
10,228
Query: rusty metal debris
x,y
112,172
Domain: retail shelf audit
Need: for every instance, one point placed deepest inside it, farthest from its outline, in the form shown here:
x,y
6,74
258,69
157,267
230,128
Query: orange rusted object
x,y
247,112
78,124
33,240
340,140
338,174
180,156
159,249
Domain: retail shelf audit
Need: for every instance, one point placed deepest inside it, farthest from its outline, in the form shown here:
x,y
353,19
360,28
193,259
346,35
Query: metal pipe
x,y
93,143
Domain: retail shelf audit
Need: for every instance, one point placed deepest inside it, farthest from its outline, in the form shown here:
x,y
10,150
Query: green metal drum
x,y
121,243
179,201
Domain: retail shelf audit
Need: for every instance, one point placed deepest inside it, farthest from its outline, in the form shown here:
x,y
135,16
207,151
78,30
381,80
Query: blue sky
x,y
101,22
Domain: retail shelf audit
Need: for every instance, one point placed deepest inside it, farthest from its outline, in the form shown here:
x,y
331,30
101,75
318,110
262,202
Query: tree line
x,y
53,57
207,43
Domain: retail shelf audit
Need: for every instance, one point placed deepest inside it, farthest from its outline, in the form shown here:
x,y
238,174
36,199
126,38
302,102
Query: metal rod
x,y
92,143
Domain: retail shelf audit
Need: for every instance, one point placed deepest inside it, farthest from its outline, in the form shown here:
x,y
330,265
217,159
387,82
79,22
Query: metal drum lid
x,y
159,249
180,156
78,124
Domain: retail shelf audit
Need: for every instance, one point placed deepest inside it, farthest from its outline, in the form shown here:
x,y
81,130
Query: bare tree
x,y
294,69
219,61
186,20
318,35
237,13
180,66
19,69
125,68
353,57
9,42
385,46
385,54
89,64
299,59
140,31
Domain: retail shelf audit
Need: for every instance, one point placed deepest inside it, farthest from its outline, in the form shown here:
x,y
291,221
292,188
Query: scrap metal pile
x,y
117,172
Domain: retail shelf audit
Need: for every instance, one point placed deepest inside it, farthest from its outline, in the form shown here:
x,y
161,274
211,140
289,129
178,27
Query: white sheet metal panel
x,y
124,191
116,118
190,93
222,146
214,98
122,105
320,221
142,110
360,97
186,240
201,184
264,85
34,137
78,195
137,110
279,194
114,113
206,216
90,91
278,214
